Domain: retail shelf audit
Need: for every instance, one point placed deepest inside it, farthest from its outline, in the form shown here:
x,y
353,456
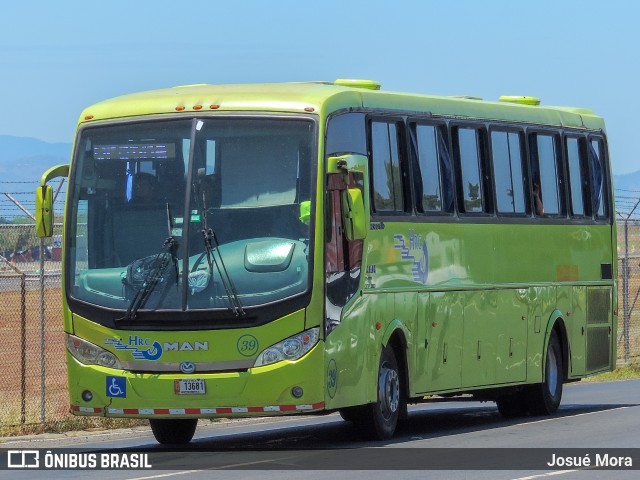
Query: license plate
x,y
190,386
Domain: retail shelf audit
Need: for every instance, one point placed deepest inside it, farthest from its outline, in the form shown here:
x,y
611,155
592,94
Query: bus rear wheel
x,y
544,398
173,431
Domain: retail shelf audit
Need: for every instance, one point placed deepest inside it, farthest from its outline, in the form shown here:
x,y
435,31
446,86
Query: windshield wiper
x,y
212,246
150,271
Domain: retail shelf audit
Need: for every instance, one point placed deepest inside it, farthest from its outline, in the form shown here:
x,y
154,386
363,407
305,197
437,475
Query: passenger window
x,y
346,134
386,168
545,177
596,154
431,165
468,156
508,172
578,177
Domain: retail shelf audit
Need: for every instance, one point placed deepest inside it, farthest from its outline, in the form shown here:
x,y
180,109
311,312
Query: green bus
x,y
247,250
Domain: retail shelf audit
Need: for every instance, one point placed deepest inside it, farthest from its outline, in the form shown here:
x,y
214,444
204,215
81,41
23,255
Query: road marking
x,y
548,474
236,465
551,419
572,416
162,475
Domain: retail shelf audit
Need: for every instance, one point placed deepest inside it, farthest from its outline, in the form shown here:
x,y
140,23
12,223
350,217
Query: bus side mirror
x,y
44,211
44,201
353,217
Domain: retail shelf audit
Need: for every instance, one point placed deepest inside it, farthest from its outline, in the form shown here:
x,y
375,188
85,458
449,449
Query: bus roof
x,y
328,97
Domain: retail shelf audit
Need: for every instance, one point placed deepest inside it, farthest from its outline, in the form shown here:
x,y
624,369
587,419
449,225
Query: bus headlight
x,y
89,354
291,348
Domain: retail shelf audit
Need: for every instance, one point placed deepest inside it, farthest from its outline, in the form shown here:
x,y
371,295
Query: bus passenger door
x,y
348,367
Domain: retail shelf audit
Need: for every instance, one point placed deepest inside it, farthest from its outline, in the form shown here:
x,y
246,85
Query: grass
x,y
625,372
69,424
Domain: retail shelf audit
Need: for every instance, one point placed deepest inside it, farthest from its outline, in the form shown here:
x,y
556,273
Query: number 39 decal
x,y
247,345
332,378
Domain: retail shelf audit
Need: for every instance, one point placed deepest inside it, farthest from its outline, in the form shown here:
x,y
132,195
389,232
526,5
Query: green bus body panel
x,y
351,356
259,387
485,256
484,310
252,387
222,343
575,331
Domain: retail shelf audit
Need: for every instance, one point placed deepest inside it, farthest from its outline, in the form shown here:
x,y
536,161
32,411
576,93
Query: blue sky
x,y
58,57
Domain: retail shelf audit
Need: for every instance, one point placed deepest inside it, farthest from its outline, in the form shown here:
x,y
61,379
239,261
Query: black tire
x,y
544,398
383,415
173,431
512,405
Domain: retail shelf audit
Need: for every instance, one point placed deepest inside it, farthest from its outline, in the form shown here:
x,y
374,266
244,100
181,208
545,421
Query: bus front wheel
x,y
174,431
545,397
385,412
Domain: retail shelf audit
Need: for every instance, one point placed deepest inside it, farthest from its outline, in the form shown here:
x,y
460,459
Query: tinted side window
x,y
508,172
346,133
431,166
545,173
386,170
596,157
578,177
468,156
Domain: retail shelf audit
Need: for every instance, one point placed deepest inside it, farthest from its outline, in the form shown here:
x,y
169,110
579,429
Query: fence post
x,y
23,350
43,374
625,293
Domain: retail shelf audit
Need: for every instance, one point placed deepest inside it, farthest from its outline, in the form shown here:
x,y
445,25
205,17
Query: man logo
x,y
187,367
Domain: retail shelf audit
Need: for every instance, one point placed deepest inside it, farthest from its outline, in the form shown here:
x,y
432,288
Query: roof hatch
x,y
358,83
520,100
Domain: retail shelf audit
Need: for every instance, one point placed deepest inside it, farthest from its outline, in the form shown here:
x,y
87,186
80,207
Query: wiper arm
x,y
212,246
155,267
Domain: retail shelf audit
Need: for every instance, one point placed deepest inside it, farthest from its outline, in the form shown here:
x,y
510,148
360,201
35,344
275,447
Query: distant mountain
x,y
630,182
25,159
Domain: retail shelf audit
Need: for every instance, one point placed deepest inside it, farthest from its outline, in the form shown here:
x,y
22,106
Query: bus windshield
x,y
194,214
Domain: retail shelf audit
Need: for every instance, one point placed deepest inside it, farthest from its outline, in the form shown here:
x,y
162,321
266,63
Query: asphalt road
x,y
601,416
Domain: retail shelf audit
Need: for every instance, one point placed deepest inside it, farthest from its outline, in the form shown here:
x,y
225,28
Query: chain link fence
x,y
628,291
33,382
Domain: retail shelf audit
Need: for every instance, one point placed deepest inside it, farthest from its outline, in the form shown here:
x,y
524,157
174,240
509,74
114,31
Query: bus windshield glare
x,y
191,214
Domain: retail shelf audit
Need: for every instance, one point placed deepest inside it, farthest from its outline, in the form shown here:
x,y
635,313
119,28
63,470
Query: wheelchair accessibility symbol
x,y
117,387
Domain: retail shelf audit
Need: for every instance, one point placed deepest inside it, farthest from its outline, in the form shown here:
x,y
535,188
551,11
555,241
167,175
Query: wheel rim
x,y
388,392
552,372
